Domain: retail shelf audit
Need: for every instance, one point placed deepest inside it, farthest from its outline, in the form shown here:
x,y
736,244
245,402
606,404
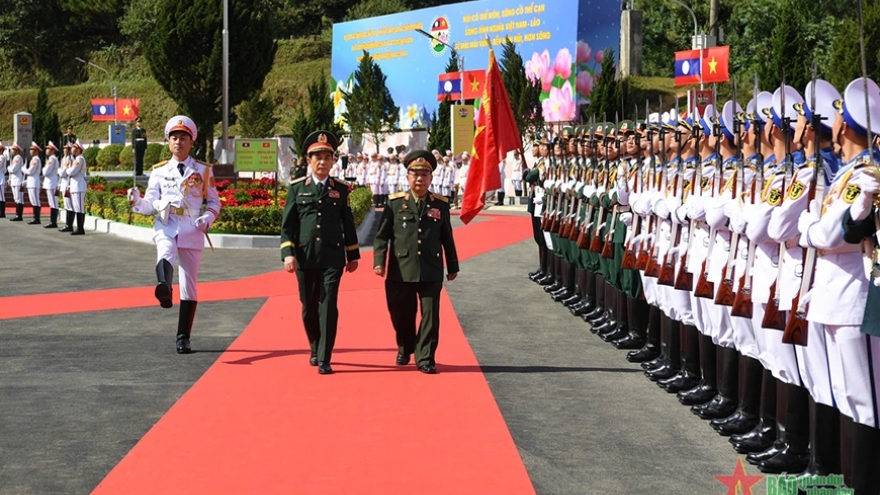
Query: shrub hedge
x,y
108,157
91,156
126,158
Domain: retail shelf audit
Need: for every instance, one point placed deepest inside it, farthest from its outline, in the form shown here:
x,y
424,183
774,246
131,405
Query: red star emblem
x,y
739,482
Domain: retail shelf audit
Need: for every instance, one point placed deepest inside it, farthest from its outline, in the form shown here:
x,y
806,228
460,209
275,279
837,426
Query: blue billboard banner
x,y
561,41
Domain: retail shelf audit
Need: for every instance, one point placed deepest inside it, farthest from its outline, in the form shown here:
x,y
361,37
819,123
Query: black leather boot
x,y
651,350
80,220
762,436
724,403
824,440
637,316
164,275
793,435
500,201
865,459
3,209
689,375
68,222
19,209
670,340
184,326
745,418
53,219
36,219
707,388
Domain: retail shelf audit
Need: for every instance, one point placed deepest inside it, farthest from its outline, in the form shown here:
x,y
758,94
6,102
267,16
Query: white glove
x,y
134,195
738,222
636,241
696,208
731,208
869,183
680,214
626,218
807,219
204,222
661,209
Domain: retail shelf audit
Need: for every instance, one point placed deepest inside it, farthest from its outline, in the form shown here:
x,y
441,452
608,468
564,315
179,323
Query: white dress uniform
x,y
32,180
15,177
516,176
175,193
3,162
76,175
392,177
50,177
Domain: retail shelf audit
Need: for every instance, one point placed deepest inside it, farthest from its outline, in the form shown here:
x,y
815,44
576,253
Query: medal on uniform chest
x,y
404,224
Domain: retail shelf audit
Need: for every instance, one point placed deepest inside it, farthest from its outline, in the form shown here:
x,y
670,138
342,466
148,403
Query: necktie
x,y
320,188
420,205
181,167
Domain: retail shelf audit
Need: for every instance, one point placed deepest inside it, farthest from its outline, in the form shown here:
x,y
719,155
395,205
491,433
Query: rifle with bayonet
x,y
704,288
796,331
628,262
726,294
742,303
608,247
685,279
649,185
583,240
599,222
654,266
667,271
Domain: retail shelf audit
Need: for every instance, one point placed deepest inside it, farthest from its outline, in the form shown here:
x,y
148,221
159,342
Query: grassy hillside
x,y
297,62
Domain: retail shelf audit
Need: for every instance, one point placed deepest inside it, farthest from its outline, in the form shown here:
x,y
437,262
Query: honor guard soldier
x,y
414,237
32,171
2,181
16,181
318,241
76,176
175,193
63,188
139,145
50,183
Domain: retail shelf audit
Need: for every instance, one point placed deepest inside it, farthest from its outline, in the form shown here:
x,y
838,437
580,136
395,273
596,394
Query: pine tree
x,y
46,124
256,116
185,57
318,115
371,109
440,137
787,50
606,96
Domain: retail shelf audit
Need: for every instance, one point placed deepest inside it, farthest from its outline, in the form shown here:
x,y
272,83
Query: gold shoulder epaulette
x,y
396,195
340,181
160,164
441,198
298,180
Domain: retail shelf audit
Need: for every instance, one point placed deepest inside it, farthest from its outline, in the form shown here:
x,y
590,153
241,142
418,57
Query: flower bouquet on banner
x,y
558,80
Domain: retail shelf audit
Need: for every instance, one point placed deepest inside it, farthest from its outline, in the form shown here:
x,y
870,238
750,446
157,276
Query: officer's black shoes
x,y
313,360
555,286
630,341
661,373
19,208
36,219
643,355
183,346
402,359
572,301
53,219
700,394
163,294
537,274
428,369
546,280
561,295
324,368
786,461
684,380
759,457
69,222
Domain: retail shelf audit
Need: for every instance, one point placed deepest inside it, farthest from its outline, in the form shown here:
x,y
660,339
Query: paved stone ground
x,y
585,420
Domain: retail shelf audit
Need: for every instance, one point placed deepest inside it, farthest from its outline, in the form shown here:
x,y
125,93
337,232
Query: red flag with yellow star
x,y
496,136
128,108
714,67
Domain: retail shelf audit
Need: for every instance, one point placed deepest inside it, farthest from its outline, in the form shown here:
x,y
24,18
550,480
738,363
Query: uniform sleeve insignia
x,y
775,197
797,190
851,193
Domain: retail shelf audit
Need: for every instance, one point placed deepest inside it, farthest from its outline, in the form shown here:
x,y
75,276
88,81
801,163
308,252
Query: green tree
x,y
371,108
185,56
256,116
845,64
524,94
373,8
46,124
440,137
318,115
607,93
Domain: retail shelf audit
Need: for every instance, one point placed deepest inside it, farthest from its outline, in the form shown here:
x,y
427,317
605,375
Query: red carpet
x,y
262,421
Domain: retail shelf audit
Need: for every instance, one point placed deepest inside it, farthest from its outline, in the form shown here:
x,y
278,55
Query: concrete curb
x,y
367,230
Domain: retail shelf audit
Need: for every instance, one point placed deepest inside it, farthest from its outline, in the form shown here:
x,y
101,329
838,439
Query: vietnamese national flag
x,y
449,84
715,62
103,109
128,108
496,135
687,67
473,81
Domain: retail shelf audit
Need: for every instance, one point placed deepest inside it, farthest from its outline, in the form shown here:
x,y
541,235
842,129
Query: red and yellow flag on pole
x,y
496,136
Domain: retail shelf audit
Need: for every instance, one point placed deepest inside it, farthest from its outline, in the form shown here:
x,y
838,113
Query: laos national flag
x,y
687,67
103,109
449,84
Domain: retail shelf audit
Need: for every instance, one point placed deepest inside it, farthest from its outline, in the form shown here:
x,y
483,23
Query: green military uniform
x,y
318,230
414,237
139,145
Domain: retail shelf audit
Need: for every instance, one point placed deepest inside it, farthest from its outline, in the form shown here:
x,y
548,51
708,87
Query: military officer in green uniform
x,y
139,145
415,234
318,241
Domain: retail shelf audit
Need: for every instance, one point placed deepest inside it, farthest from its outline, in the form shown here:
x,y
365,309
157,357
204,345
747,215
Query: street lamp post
x,y
113,91
695,42
223,152
455,54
